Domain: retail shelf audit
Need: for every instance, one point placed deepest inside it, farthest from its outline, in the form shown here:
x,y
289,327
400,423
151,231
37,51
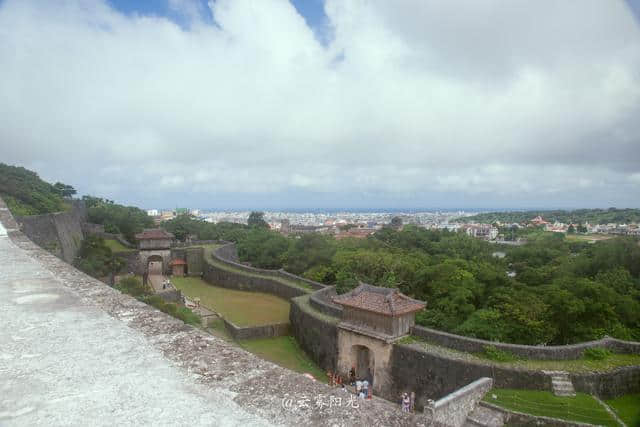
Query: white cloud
x,y
408,98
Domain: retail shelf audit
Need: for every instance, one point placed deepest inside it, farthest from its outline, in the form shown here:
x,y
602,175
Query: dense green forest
x,y
578,216
563,292
26,194
127,220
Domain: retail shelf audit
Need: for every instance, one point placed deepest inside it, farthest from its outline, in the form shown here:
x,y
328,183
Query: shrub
x,y
132,286
492,353
596,353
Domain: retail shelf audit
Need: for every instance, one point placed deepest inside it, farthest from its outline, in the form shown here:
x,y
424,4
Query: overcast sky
x,y
268,104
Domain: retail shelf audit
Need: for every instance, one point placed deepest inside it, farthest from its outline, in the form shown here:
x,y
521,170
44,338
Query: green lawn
x,y
582,407
116,246
240,307
286,352
628,408
588,237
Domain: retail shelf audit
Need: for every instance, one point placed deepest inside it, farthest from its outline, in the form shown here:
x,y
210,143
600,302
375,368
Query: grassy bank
x,y
582,407
610,362
627,408
240,307
285,352
116,246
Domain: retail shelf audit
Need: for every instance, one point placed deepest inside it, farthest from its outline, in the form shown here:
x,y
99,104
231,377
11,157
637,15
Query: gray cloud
x,y
409,102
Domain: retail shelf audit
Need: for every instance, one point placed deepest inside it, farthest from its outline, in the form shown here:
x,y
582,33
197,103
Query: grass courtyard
x,y
286,352
582,407
116,246
627,408
240,307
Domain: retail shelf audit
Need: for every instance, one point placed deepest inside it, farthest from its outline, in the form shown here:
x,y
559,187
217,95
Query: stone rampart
x,y
316,333
236,280
452,410
253,332
227,254
60,233
432,375
321,301
560,352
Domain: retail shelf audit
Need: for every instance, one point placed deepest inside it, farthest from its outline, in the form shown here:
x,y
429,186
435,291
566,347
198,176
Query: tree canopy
x,y
26,194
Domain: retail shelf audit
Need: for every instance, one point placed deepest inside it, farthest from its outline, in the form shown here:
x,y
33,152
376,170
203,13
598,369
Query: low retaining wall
x,y
560,352
316,333
252,332
452,410
174,296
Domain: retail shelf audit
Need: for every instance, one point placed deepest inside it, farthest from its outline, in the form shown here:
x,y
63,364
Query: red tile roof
x,y
154,234
177,261
387,301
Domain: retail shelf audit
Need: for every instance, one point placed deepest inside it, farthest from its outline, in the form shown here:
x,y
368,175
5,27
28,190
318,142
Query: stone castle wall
x,y
315,332
433,375
558,352
60,233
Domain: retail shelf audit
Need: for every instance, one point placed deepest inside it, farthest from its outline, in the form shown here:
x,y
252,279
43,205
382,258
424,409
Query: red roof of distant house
x,y
387,301
154,234
177,261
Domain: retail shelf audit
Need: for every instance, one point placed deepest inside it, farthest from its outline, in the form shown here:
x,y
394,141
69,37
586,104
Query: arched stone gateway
x,y
363,360
154,264
372,319
155,247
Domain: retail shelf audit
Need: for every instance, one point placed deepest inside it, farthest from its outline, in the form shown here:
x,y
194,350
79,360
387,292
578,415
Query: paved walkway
x,y
156,281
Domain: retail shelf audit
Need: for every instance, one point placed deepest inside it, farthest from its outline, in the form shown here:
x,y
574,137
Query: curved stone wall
x,y
560,352
433,375
316,333
227,254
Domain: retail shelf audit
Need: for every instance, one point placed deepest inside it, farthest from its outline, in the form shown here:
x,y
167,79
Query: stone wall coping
x,y
482,384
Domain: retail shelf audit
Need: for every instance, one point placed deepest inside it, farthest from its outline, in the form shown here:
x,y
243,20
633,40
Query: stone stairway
x,y
561,383
484,417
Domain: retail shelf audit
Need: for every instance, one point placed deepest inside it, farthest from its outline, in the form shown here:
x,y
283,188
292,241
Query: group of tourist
x,y
363,388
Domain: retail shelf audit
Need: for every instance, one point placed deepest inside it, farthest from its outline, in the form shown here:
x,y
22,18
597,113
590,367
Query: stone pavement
x,y
74,351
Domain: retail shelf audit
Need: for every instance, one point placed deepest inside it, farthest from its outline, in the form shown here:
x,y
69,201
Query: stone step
x,y
561,383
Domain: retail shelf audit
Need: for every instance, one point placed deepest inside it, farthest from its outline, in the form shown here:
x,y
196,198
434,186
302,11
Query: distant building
x,y
153,212
154,238
155,247
178,267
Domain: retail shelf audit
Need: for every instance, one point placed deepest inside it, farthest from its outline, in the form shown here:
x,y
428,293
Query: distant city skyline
x,y
325,104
